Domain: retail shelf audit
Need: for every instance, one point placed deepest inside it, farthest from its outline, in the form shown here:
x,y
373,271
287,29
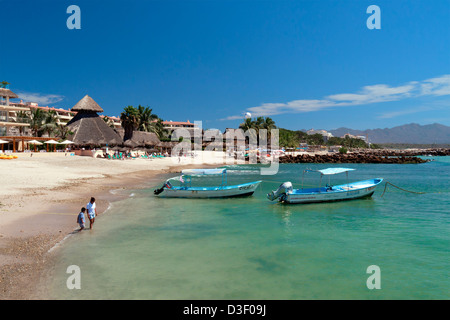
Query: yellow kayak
x,y
5,157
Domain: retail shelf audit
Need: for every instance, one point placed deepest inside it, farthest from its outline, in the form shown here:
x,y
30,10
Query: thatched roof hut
x,y
87,126
141,139
167,145
87,104
8,93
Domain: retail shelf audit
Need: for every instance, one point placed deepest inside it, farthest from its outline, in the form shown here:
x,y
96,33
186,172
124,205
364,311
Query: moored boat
x,y
186,190
349,191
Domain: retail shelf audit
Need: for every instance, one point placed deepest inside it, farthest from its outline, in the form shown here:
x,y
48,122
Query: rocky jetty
x,y
399,156
349,158
369,156
404,152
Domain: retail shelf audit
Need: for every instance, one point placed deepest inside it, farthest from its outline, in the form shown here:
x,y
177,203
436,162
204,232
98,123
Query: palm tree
x,y
62,131
259,122
37,120
157,127
130,121
248,124
108,121
268,124
145,118
50,122
22,117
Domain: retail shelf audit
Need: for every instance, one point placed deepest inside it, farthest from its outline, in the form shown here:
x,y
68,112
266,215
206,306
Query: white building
x,y
325,134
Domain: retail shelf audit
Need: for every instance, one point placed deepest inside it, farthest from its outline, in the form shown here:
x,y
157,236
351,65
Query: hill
x,y
412,133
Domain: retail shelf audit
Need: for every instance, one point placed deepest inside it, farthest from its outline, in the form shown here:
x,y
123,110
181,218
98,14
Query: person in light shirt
x,y
92,212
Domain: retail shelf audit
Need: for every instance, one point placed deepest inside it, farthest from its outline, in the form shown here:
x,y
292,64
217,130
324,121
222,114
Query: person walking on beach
x,y
92,212
81,219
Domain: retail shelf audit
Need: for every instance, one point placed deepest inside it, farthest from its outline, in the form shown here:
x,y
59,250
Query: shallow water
x,y
250,248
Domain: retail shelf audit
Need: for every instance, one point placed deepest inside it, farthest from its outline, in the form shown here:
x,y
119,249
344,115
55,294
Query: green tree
x,y
62,131
347,142
108,121
289,138
257,124
157,128
50,122
268,124
22,117
37,120
315,139
130,121
248,124
146,118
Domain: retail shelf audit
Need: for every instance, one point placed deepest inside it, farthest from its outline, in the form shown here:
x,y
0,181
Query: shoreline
x,y
36,219
35,223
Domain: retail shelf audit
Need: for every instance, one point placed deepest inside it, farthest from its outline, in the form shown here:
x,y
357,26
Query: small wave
x,y
58,244
109,207
114,191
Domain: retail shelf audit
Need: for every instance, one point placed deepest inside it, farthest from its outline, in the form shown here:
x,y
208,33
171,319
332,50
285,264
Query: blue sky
x,y
306,64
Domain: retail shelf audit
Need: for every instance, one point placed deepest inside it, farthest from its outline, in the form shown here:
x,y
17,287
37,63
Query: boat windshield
x,y
203,172
186,178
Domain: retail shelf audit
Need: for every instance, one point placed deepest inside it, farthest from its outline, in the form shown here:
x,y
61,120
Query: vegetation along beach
x,y
228,153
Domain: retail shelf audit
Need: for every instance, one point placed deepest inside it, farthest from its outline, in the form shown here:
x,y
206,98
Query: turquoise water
x,y
250,248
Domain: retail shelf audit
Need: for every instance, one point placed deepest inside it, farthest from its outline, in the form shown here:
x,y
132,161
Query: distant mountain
x,y
409,133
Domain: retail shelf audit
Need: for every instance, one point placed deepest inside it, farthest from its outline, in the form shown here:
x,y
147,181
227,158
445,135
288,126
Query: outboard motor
x,y
284,188
158,191
167,185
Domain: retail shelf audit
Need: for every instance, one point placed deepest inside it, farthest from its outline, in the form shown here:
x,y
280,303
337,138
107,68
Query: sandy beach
x,y
41,196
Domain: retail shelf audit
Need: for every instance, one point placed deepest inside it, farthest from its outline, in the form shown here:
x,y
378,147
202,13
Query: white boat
x,y
349,191
185,190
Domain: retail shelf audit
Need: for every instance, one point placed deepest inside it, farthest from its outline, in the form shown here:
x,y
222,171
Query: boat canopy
x,y
203,172
329,171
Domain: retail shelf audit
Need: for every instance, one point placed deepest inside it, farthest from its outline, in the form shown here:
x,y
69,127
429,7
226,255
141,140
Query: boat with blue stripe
x,y
348,191
186,190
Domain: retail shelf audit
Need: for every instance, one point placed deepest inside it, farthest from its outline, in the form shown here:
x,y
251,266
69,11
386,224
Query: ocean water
x,y
250,248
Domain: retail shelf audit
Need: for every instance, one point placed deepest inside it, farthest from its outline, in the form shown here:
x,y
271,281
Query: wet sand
x,y
36,215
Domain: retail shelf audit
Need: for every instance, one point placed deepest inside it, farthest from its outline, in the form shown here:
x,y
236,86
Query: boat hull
x,y
355,190
242,190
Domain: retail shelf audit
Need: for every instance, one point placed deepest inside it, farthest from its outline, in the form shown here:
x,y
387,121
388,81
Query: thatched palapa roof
x,y
8,93
88,127
87,104
167,144
141,139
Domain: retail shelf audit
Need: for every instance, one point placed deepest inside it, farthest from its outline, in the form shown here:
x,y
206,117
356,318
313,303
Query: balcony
x,y
12,124
3,106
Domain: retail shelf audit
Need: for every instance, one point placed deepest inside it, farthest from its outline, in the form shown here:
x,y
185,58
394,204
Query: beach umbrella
x,y
2,142
67,142
35,142
51,142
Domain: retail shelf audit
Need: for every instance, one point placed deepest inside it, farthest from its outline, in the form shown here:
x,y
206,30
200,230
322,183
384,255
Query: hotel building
x,y
9,122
